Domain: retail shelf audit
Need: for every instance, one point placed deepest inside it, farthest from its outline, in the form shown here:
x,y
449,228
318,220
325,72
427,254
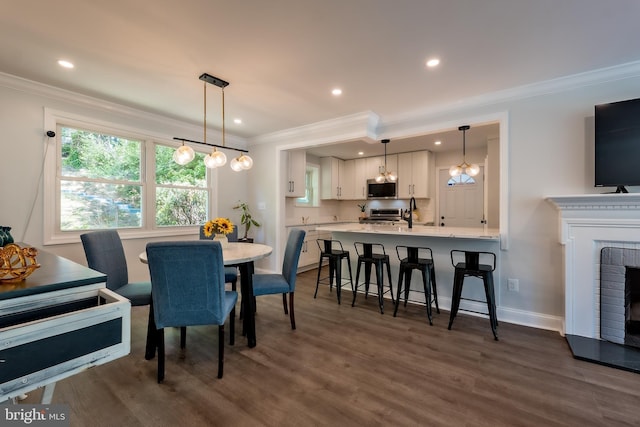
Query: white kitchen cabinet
x,y
375,165
310,254
331,171
355,183
354,180
296,171
413,174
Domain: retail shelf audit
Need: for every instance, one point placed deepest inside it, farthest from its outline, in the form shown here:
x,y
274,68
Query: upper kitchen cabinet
x,y
332,175
296,170
375,165
354,184
413,174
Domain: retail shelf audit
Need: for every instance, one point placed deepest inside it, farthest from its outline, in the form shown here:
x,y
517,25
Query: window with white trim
x,y
311,186
110,178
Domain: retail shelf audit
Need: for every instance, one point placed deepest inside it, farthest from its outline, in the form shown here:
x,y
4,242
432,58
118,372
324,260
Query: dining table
x,y
238,254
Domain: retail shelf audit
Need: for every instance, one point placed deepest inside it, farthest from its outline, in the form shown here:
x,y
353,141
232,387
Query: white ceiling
x,y
283,57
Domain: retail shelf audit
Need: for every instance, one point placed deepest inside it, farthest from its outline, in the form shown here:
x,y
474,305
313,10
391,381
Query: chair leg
x,y
232,327
183,337
284,303
332,271
350,275
400,274
390,282
291,313
380,283
488,290
367,278
458,278
434,288
220,350
318,279
407,284
426,284
338,270
160,343
355,290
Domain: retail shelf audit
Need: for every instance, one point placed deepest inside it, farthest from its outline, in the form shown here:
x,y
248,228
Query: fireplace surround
x,y
587,224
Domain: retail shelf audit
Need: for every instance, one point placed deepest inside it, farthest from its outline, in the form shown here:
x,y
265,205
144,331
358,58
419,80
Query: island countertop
x,y
417,230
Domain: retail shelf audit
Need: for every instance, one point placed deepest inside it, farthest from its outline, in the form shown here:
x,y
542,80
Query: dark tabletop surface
x,y
55,273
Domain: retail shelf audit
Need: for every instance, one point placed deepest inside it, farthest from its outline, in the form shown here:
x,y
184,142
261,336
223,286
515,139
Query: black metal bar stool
x,y
371,254
335,253
467,263
417,258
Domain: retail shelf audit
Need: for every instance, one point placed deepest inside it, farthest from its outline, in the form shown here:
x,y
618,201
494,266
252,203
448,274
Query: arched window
x,y
461,180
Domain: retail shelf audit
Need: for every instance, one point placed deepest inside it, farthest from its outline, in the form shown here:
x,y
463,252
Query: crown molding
x,y
361,125
417,118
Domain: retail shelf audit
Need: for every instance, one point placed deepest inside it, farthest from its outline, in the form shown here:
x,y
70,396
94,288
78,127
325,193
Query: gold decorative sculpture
x,y
17,263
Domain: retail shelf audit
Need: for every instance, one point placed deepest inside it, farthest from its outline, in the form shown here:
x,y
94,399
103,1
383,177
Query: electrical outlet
x,y
513,285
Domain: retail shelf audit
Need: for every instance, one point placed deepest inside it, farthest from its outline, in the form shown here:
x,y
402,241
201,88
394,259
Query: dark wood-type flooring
x,y
353,366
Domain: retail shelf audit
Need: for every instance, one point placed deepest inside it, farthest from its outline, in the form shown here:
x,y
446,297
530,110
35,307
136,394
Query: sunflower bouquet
x,y
218,226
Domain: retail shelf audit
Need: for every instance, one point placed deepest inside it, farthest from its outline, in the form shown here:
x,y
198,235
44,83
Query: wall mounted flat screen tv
x,y
617,144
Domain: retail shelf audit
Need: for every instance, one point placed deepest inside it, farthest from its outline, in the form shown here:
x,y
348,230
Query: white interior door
x,y
461,203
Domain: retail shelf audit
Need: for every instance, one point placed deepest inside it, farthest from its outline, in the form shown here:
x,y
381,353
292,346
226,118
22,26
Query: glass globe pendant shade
x,y
473,169
391,176
215,159
246,162
235,165
455,171
183,155
380,178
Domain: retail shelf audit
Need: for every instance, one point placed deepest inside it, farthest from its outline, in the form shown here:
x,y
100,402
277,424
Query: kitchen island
x,y
441,240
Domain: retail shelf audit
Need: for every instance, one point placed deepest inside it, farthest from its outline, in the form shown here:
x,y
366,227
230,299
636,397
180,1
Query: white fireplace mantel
x,y
587,223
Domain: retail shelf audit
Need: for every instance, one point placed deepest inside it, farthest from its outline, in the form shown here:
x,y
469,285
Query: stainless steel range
x,y
383,216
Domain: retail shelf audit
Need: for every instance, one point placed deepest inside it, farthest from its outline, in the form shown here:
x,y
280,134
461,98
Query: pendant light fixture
x,y
464,167
184,154
386,175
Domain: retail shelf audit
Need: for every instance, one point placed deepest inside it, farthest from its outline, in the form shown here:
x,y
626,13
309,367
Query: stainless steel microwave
x,y
381,190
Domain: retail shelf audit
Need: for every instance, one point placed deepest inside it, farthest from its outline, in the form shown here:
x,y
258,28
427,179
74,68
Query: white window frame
x,y
51,190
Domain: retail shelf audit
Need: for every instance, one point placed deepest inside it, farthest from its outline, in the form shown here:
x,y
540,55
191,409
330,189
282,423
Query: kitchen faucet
x,y
408,216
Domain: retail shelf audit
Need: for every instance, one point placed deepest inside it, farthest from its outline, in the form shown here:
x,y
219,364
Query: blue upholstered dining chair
x,y
230,272
285,283
105,254
187,279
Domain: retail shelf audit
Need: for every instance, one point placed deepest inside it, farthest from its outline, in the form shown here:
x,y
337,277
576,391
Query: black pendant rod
x,y
211,145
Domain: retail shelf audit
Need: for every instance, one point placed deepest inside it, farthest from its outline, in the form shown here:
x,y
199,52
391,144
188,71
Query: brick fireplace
x,y
620,295
589,223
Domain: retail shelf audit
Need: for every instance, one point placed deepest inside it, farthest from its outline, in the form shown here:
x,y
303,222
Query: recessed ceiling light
x,y
336,92
360,153
433,62
65,64
437,142
237,121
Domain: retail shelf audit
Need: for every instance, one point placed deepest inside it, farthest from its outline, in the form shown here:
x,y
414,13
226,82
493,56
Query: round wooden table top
x,y
235,252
